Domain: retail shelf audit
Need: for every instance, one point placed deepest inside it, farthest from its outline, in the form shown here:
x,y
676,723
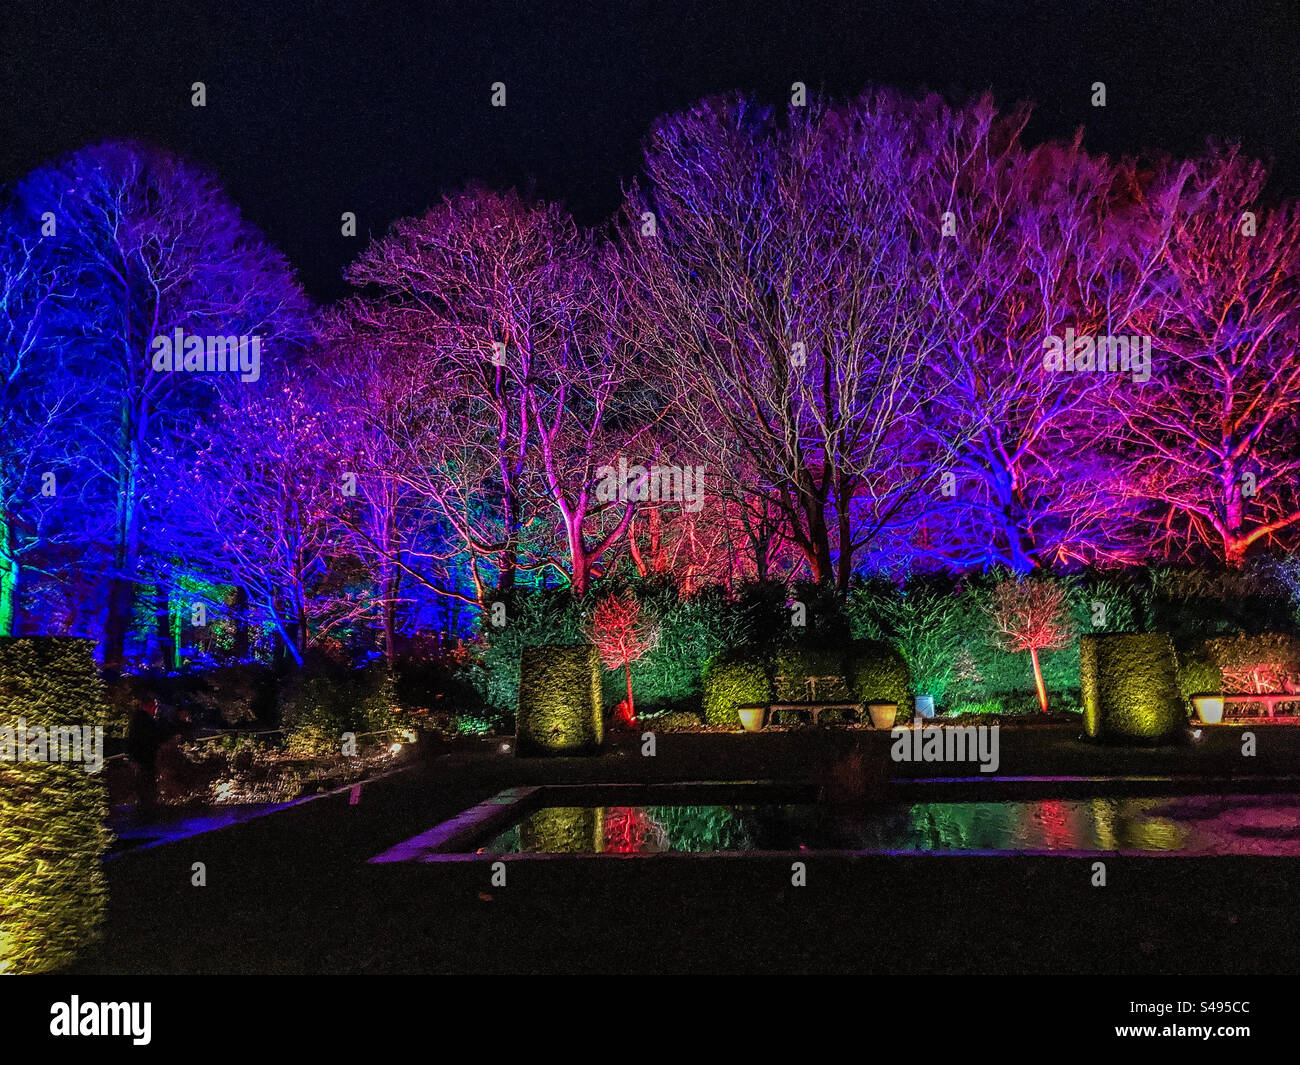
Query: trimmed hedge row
x,y
873,671
52,831
559,701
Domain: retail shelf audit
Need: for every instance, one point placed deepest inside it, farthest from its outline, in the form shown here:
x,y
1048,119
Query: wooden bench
x,y
1269,699
1266,684
814,710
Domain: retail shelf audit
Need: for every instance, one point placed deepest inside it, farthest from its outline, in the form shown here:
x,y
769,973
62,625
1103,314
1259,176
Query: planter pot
x,y
925,706
882,714
751,717
1209,708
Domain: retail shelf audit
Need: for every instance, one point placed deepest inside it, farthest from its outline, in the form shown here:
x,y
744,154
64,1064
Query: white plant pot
x,y
1209,708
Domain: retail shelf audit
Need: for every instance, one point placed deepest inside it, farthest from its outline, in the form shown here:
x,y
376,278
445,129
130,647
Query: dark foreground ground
x,y
291,893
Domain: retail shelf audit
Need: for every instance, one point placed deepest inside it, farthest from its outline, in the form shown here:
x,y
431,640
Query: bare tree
x,y
1217,440
788,317
156,247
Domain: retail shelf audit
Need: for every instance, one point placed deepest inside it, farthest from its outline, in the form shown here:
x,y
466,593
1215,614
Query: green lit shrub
x,y
311,742
692,629
1198,674
559,701
733,679
877,673
533,618
924,619
807,673
1130,687
337,701
52,831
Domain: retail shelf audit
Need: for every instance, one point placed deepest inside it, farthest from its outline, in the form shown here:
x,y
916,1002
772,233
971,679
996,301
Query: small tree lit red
x,y
1031,615
622,636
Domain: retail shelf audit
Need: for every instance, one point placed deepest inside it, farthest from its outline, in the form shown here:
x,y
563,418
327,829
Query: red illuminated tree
x,y
1031,614
622,636
1216,440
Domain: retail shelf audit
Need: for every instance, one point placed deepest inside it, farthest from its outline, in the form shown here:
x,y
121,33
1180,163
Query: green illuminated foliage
x,y
559,701
52,832
733,679
1130,687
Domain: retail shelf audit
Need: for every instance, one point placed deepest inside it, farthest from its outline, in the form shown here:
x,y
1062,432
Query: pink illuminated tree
x,y
1031,614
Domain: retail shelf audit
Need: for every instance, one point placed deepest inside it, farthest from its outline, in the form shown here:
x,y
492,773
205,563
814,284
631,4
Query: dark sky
x,y
315,108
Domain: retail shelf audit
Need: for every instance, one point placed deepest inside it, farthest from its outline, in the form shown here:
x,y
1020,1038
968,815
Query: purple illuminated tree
x,y
787,309
1025,244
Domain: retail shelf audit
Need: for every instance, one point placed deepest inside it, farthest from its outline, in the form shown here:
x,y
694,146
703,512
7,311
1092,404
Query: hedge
x,y
559,701
1130,687
877,673
732,679
52,831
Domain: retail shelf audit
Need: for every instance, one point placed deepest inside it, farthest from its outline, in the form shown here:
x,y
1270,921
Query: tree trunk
x,y
10,578
1038,680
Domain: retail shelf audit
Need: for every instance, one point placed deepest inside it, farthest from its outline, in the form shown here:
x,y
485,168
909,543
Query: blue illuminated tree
x,y
150,244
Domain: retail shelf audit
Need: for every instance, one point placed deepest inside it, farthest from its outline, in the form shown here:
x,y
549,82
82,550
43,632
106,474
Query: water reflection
x,y
1240,824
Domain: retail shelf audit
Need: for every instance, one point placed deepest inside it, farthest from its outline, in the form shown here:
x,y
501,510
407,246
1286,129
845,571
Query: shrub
x,y
923,619
559,701
1130,687
339,701
52,831
796,666
672,721
692,630
733,679
534,618
876,673
1197,674
311,741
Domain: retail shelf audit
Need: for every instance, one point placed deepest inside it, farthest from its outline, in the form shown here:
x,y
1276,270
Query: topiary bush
x,y
1197,675
796,666
559,701
52,830
1130,687
732,679
877,673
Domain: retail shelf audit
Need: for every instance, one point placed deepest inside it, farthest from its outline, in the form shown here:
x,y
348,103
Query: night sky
x,y
316,108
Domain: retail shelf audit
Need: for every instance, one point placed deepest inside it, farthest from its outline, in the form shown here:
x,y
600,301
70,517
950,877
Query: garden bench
x,y
1270,685
814,709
